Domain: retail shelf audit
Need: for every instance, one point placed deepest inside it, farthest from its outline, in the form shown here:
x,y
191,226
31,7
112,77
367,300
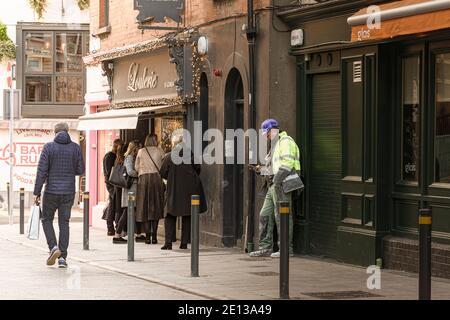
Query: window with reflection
x,y
411,118
38,52
54,70
69,89
69,52
442,107
38,89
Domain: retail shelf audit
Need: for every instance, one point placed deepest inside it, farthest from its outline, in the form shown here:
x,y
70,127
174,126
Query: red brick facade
x,y
122,18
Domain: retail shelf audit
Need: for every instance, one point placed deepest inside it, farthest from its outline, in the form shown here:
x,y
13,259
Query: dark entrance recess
x,y
141,131
233,184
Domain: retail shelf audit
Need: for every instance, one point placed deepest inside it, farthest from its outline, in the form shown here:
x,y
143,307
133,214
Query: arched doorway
x,y
233,203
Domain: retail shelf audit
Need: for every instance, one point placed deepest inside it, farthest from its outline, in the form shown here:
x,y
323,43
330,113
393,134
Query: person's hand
x,y
256,168
37,200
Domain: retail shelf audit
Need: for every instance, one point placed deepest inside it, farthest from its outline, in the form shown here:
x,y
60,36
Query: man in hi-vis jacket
x,y
281,170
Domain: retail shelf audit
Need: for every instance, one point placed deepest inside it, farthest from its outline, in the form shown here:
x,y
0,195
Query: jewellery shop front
x,y
150,91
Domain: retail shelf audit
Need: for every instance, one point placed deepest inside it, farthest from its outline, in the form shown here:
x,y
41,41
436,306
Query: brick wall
x,y
122,18
403,254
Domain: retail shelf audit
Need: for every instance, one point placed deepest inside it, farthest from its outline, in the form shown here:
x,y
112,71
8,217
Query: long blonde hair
x,y
151,140
133,148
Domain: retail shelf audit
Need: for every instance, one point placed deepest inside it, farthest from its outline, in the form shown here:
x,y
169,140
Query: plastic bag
x,y
33,223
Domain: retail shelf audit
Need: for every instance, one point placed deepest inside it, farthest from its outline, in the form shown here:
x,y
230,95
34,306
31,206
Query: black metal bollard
x,y
195,210
86,221
425,254
284,210
22,211
130,225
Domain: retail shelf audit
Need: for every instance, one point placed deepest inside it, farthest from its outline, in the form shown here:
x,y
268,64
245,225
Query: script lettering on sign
x,y
146,80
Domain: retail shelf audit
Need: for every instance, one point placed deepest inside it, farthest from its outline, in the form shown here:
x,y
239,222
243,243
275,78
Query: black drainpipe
x,y
251,38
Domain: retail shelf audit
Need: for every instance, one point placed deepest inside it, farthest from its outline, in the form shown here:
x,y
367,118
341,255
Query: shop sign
x,y
159,10
144,77
137,81
27,149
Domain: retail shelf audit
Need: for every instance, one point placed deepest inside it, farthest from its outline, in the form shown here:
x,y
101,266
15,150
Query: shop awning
x,y
117,118
400,18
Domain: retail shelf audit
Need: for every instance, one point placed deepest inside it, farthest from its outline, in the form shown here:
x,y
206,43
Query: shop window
x,y
38,52
442,105
164,127
411,118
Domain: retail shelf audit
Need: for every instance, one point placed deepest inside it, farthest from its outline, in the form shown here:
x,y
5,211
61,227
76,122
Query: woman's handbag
x,y
118,177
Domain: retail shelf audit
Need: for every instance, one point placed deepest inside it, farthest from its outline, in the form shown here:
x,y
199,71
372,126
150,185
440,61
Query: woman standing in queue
x,y
129,163
150,188
183,181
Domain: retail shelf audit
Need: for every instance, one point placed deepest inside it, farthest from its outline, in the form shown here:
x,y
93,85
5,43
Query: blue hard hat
x,y
269,124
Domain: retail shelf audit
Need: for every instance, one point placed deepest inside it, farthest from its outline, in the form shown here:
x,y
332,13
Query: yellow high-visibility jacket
x,y
286,154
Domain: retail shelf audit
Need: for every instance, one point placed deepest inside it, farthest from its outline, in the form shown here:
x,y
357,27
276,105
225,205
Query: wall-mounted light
x,y
202,45
217,72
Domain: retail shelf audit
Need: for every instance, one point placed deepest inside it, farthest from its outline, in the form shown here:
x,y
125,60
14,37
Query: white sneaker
x,y
261,253
277,254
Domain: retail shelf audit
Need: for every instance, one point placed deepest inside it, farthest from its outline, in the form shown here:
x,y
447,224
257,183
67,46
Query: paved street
x,y
24,275
105,273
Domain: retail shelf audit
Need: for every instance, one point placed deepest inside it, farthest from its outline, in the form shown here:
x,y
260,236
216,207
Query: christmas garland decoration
x,y
169,40
145,46
175,101
38,6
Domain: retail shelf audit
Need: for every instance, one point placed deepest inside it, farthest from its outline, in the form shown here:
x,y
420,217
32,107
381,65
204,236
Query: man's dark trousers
x,y
63,203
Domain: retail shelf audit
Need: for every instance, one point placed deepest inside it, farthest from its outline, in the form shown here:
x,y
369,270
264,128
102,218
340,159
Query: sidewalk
x,y
77,216
230,274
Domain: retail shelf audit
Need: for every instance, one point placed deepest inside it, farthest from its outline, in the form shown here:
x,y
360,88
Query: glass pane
x,y
38,52
38,89
69,52
411,119
69,89
442,139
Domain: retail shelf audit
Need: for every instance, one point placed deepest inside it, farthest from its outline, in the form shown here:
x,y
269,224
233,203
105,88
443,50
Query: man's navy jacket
x,y
60,161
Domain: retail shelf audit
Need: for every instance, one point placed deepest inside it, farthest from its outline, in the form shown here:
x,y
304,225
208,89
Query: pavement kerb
x,y
129,274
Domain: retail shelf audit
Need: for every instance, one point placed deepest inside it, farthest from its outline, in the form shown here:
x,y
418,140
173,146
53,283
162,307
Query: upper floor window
x,y
104,13
53,70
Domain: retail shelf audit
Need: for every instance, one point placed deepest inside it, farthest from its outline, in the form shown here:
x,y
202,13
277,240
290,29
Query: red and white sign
x,y
9,77
27,148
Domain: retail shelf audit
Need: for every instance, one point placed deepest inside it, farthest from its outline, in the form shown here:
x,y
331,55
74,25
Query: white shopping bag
x,y
33,223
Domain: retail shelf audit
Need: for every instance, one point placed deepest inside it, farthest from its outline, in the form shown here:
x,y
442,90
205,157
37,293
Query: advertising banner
x,y
27,148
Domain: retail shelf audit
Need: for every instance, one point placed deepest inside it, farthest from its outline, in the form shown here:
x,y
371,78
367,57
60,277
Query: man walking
x,y
283,161
60,161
